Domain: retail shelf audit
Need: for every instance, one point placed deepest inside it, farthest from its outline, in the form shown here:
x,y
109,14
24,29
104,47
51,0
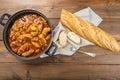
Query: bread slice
x,y
63,38
74,37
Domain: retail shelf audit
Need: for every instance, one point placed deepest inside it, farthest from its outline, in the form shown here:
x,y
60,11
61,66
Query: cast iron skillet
x,y
51,48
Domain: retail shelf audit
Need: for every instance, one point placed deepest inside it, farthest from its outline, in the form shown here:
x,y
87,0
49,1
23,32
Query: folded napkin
x,y
87,14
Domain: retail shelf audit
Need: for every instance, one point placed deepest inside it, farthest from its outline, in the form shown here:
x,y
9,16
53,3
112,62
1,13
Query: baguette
x,y
74,37
63,38
89,31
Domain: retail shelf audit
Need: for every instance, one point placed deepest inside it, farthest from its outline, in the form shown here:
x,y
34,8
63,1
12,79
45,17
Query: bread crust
x,y
89,31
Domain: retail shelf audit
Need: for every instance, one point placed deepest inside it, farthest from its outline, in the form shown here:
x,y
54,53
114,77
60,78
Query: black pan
x,y
51,48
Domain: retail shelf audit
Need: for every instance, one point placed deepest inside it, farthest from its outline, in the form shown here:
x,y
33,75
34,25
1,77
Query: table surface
x,y
105,66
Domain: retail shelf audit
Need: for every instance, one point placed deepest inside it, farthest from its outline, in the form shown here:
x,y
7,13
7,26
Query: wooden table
x,y
106,66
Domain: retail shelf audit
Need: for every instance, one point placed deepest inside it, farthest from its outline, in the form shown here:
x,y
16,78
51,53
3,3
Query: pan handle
x,y
2,18
52,49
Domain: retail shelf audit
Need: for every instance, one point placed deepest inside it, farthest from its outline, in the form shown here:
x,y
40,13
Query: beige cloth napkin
x,y
87,14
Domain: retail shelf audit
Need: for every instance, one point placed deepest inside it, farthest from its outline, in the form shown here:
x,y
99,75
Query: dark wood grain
x,y
77,67
59,71
105,8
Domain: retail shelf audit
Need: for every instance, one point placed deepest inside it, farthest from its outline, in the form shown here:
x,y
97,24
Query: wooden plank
x,y
7,3
28,2
55,12
52,9
60,3
58,71
111,27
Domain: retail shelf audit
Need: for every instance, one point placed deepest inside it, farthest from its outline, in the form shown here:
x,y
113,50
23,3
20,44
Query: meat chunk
x,y
28,53
24,37
23,48
15,35
34,39
40,27
37,51
36,44
45,31
42,39
33,28
48,37
34,33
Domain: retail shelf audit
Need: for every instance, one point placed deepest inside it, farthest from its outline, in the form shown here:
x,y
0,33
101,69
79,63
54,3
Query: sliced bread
x,y
74,37
63,38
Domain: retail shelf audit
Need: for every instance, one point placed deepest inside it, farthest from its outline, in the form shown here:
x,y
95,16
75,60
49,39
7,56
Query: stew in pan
x,y
29,35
